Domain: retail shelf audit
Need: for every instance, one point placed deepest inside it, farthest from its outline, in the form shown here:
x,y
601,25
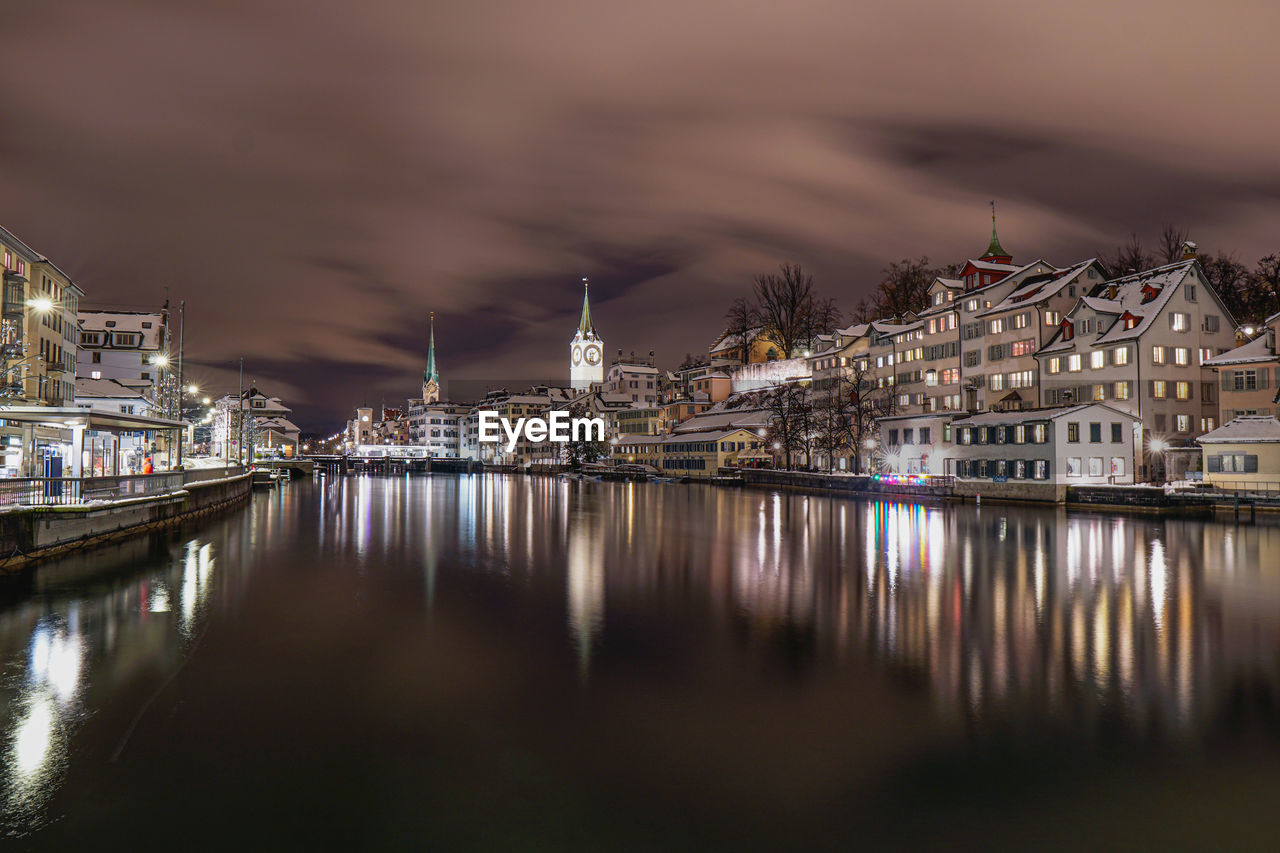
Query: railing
x,y
73,491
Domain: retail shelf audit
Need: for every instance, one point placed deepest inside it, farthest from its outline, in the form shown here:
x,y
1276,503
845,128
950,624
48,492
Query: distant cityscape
x,y
1022,377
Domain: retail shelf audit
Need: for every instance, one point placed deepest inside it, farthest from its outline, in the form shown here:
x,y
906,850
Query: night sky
x,y
314,177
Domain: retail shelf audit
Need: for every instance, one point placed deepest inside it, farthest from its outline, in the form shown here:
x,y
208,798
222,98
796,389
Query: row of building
x,y
1010,371
97,392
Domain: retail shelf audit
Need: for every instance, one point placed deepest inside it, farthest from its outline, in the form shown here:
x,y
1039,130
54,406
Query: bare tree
x,y
790,423
744,321
1267,276
823,318
905,287
1172,241
1130,257
867,404
863,312
1232,281
785,303
581,448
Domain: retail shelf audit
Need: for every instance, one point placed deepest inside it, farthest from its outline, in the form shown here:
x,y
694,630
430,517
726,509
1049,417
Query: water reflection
x,y
70,642
1030,616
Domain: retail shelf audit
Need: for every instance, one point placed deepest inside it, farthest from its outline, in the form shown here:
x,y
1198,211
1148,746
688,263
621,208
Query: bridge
x,y
389,459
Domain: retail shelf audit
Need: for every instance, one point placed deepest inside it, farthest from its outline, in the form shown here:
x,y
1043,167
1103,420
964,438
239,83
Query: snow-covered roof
x,y
633,367
1258,350
125,321
1244,429
728,341
87,387
885,327
734,418
1132,296
1037,289
1029,415
991,266
283,425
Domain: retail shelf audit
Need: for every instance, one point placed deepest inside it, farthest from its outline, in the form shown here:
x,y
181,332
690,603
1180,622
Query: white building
x,y
1089,444
125,346
262,423
1139,344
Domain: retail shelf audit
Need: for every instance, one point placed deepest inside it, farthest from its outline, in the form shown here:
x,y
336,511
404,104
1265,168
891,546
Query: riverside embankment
x,y
50,517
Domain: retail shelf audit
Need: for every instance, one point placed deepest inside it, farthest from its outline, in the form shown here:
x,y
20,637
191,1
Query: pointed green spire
x,y
430,374
994,250
584,325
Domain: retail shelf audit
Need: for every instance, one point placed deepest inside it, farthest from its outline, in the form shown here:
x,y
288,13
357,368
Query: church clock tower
x,y
430,377
586,351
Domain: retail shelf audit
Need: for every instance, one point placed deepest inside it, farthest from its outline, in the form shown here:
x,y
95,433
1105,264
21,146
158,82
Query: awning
x,y
66,417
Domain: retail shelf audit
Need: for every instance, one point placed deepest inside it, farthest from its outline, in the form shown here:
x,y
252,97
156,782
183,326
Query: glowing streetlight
x,y
191,389
160,360
1158,445
206,401
42,304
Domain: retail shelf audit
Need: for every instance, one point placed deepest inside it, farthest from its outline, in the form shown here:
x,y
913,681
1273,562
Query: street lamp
x,y
43,304
1158,446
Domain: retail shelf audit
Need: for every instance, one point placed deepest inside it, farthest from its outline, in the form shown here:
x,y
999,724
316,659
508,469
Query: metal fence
x,y
73,491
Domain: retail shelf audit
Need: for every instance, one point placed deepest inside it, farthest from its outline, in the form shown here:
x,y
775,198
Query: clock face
x,y
593,355
577,356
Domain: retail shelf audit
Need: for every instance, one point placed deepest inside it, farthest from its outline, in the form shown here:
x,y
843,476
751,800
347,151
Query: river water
x,y
492,662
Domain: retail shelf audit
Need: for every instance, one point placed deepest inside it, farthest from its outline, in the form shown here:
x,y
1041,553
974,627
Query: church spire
x,y
995,250
430,374
584,325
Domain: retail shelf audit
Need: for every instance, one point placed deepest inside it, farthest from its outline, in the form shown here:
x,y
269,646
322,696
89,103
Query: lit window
x,y
1184,423
1183,391
1182,356
1159,389
1120,355
1055,365
1098,359
1157,355
1073,363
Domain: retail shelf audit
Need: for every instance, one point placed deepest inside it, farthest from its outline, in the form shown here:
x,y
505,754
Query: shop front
x,y
45,441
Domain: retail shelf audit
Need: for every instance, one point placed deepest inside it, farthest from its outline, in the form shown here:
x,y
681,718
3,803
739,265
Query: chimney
x,y
1112,290
1189,251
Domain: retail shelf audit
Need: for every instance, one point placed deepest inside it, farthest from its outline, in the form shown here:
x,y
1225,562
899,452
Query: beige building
x,y
697,454
1249,375
1244,453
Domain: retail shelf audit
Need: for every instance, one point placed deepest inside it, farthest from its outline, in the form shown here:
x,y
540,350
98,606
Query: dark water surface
x,y
521,663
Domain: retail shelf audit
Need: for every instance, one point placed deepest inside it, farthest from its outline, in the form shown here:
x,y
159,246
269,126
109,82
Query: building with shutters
x,y
1249,375
1244,453
1140,344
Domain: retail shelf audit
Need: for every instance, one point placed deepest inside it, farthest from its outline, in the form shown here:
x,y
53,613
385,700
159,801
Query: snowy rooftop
x,y
1247,428
1036,289
105,389
149,324
1259,349
1028,415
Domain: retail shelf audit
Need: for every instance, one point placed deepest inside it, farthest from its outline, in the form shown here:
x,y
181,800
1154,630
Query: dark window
x,y
1117,434
1095,433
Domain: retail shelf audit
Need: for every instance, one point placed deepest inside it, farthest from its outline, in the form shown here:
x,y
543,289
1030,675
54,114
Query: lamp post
x,y
182,305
